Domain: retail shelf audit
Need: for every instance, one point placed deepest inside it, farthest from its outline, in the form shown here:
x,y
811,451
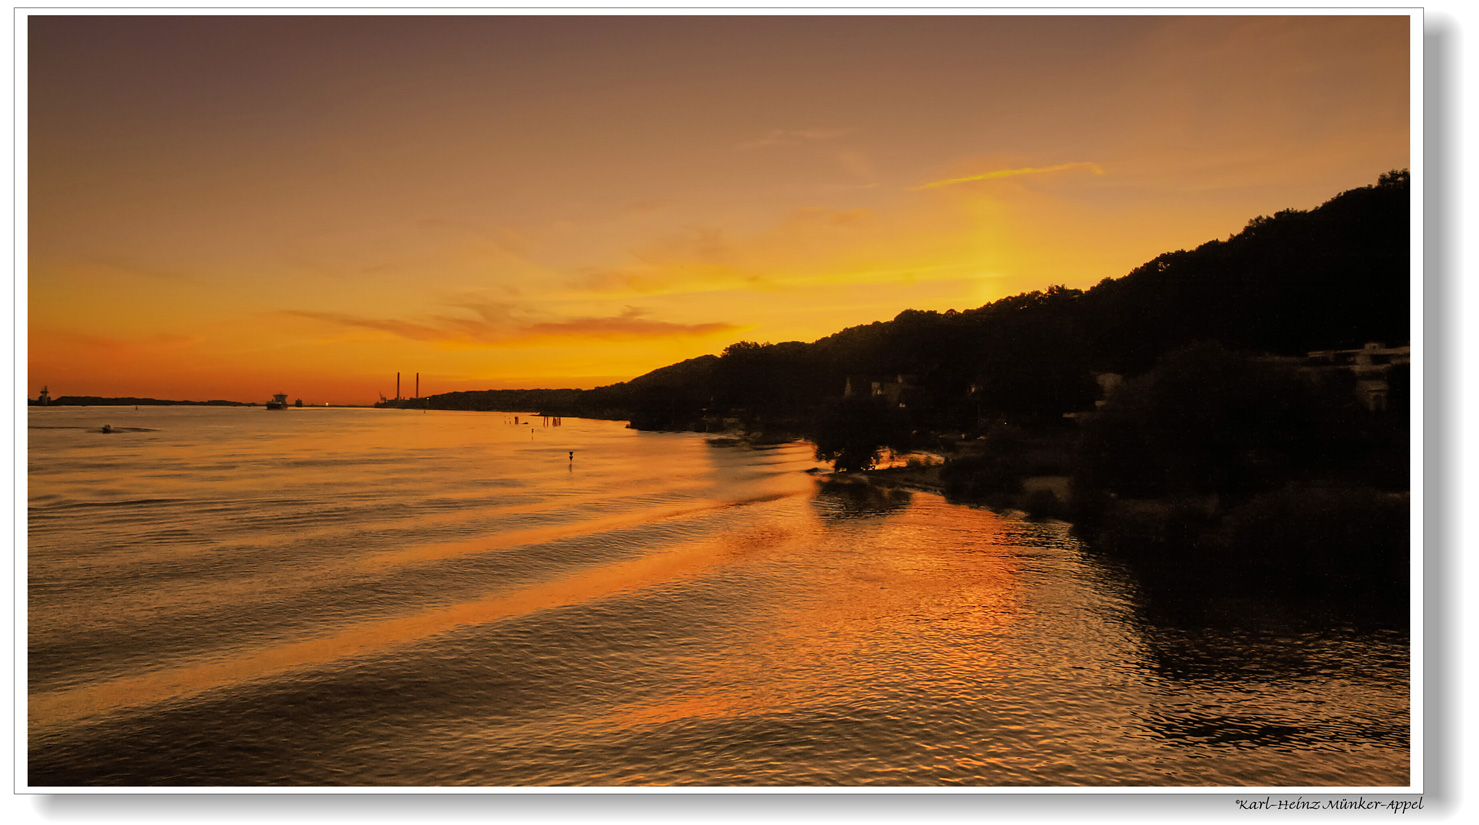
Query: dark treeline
x,y
1225,472
511,400
1171,414
1329,278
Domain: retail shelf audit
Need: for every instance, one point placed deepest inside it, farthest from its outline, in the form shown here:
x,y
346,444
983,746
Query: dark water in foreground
x,y
330,597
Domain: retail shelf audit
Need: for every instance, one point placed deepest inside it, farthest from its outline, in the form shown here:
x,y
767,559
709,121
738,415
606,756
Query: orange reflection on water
x,y
895,591
707,706
554,532
892,608
67,706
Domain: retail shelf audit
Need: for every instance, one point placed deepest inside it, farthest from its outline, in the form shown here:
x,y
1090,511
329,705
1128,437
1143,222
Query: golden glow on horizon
x,y
522,201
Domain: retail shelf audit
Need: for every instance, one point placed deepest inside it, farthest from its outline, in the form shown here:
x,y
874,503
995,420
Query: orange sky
x,y
228,207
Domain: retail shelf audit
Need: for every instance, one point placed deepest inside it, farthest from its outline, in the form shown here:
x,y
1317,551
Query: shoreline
x,y
923,479
1028,505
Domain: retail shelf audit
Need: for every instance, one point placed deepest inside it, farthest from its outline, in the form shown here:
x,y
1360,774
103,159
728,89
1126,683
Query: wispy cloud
x,y
688,259
114,268
619,279
405,329
1009,173
708,259
60,352
491,324
788,137
632,323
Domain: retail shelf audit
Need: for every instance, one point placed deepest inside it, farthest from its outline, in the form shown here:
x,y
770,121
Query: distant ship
x,y
278,402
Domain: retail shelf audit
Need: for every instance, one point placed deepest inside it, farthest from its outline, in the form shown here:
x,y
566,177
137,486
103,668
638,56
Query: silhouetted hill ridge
x,y
1335,276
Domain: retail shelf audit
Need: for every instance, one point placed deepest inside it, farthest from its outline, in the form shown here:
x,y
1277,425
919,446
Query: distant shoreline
x,y
98,401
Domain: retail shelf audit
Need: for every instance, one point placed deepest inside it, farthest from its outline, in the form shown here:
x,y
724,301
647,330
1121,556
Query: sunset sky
x,y
228,207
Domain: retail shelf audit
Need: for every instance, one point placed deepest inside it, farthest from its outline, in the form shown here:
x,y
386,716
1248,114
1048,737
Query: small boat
x,y
278,402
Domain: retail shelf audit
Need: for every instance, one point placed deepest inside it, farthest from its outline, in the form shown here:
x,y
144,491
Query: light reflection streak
x,y
100,699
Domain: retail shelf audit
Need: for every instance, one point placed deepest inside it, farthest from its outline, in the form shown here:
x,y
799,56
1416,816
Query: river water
x,y
326,597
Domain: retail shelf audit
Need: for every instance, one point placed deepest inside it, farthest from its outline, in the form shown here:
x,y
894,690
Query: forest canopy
x,y
1332,277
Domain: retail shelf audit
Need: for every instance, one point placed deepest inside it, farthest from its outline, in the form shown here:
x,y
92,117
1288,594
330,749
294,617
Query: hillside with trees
x,y
1173,414
1328,278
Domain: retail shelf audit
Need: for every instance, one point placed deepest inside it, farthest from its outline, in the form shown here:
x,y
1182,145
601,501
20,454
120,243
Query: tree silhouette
x,y
852,432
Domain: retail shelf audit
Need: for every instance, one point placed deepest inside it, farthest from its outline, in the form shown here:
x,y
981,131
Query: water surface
x,y
236,596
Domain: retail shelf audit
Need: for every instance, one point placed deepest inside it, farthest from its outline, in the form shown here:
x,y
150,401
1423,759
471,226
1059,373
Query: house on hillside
x,y
1108,382
896,390
1372,365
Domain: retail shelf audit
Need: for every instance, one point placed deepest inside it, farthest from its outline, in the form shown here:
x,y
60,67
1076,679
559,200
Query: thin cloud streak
x,y
495,328
789,137
162,342
624,327
1008,173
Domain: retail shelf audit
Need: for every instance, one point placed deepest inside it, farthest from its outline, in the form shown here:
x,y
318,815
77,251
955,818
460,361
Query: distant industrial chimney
x,y
397,386
418,385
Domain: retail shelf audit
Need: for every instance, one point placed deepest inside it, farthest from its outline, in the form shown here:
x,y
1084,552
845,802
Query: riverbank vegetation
x,y
1173,414
1237,471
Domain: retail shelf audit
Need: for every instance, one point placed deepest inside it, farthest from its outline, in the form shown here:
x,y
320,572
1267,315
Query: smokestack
x,y
418,385
397,386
